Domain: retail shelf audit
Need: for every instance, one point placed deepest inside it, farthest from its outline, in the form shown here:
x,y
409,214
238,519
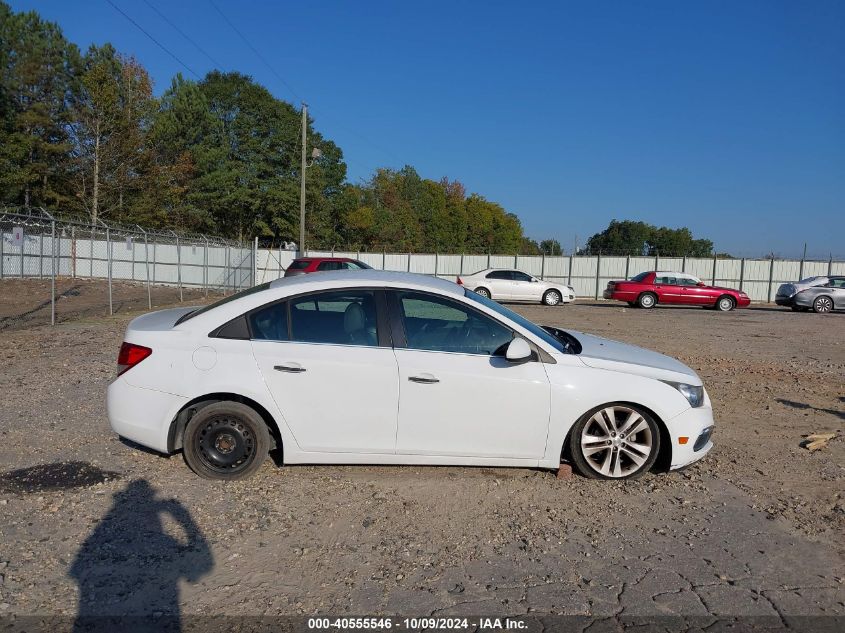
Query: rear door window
x,y
500,274
330,266
339,317
270,323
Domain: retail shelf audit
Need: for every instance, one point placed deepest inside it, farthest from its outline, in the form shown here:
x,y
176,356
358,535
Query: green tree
x,y
638,238
551,247
36,85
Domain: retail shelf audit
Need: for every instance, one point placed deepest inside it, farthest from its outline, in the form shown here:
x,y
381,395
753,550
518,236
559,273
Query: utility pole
x,y
302,183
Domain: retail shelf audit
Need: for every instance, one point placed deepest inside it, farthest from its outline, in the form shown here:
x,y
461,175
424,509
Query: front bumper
x,y
142,415
690,434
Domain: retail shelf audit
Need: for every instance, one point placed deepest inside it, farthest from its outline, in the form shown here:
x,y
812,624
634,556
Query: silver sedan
x,y
824,298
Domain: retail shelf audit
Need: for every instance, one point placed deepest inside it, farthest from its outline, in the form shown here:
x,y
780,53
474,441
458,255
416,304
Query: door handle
x,y
424,379
290,368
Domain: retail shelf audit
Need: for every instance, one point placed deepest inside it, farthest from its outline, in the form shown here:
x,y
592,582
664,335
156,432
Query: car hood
x,y
602,353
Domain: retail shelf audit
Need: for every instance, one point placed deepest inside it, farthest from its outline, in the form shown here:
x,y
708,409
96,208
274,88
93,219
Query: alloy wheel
x,y
483,292
617,442
726,304
552,298
823,304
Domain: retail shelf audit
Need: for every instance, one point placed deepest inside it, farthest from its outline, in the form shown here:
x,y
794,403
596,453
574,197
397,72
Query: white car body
x,y
520,287
355,404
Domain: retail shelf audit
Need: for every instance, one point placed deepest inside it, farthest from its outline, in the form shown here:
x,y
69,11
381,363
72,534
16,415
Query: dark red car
x,y
304,265
650,288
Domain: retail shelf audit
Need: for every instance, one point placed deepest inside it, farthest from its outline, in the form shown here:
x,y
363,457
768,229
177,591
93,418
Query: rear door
x,y
837,285
668,290
500,284
458,395
328,362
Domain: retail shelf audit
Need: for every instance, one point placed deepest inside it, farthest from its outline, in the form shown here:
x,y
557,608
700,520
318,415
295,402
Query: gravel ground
x,y
755,529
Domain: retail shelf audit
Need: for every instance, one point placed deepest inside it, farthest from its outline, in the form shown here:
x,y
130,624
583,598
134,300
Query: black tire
x,y
823,305
552,297
725,303
483,292
226,440
647,300
588,467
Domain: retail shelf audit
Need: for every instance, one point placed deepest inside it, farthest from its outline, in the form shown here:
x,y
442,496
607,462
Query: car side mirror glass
x,y
518,350
700,283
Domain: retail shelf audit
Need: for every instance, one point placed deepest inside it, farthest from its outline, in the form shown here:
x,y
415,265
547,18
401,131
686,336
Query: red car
x,y
304,265
650,288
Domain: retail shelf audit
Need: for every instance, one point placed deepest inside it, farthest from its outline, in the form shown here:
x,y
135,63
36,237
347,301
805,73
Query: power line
x,y
254,50
157,43
290,88
185,35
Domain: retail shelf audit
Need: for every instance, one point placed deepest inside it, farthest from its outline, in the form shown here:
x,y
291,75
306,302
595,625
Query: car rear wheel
x,y
226,440
551,298
483,292
725,304
647,300
615,441
822,305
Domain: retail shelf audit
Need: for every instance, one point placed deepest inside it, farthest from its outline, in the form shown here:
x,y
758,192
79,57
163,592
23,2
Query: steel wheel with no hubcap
x,y
616,442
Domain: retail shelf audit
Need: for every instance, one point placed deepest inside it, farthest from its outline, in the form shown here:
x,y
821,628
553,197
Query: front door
x,y
458,395
525,288
330,370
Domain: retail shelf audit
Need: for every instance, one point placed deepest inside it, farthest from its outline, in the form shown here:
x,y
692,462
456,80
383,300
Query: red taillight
x,y
130,355
460,281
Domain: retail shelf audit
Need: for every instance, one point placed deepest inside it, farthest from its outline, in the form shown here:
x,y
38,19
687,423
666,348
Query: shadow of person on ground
x,y
128,570
803,406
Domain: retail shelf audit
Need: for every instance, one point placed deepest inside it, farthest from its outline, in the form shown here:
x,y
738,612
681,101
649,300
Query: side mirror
x,y
535,280
519,351
701,283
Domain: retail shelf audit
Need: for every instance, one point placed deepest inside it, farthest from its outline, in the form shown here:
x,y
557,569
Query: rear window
x,y
640,277
299,264
223,301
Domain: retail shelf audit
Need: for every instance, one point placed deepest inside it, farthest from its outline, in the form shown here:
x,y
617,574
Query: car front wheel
x,y
551,298
822,305
615,441
725,304
226,440
483,292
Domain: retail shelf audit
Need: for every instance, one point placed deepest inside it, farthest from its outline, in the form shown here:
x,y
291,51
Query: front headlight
x,y
694,394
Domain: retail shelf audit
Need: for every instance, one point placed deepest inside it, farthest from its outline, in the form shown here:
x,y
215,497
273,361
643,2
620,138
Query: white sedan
x,y
506,284
373,367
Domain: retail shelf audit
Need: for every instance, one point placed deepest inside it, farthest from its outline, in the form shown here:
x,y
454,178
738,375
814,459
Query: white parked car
x,y
374,367
506,284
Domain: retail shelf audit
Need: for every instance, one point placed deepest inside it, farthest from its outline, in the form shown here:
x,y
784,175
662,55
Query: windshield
x,y
520,320
211,306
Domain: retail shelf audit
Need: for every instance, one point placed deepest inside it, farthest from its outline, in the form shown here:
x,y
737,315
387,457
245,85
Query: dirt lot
x,y
756,529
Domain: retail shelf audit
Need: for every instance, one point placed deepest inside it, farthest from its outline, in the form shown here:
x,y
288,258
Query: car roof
x,y
366,277
285,287
311,258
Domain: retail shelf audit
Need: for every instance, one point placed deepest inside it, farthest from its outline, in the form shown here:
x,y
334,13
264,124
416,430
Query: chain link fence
x,y
55,268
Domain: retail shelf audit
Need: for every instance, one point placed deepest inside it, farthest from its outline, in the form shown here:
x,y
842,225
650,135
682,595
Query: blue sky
x,y
727,117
